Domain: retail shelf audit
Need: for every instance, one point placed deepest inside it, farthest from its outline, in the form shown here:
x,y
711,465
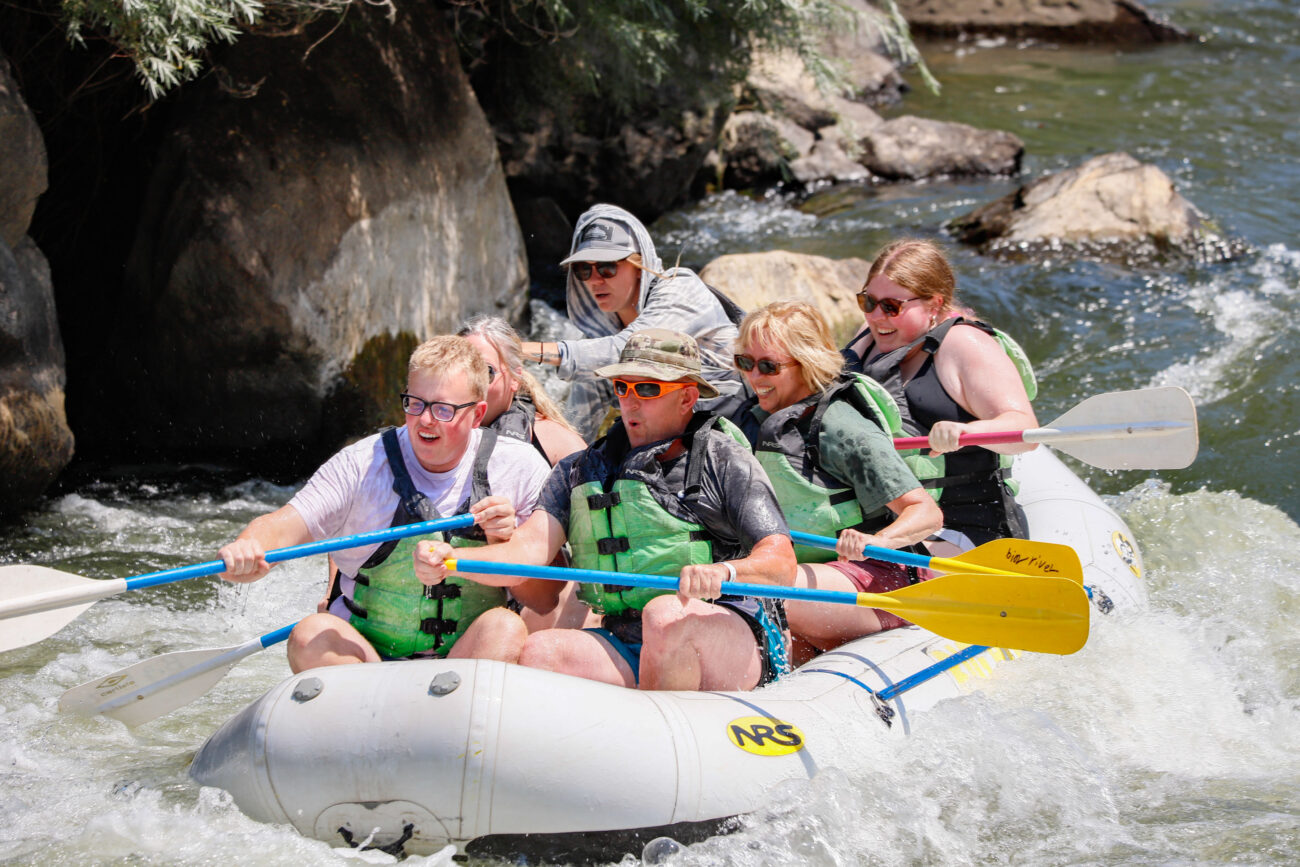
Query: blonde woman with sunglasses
x,y
950,374
823,438
617,285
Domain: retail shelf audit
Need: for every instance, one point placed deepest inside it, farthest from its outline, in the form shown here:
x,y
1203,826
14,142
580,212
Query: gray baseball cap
x,y
661,354
603,240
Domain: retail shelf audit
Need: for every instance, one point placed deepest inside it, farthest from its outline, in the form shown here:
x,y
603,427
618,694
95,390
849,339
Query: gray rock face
x,y
646,166
35,442
22,160
1110,206
301,237
754,148
1104,21
909,148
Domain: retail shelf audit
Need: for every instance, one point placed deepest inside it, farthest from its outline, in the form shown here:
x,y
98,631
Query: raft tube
x,y
410,756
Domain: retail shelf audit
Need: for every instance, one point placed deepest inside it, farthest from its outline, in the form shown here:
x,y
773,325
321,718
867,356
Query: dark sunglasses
x,y
442,411
647,390
889,306
765,366
582,270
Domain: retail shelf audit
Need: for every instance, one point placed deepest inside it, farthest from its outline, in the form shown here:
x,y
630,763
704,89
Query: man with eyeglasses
x,y
440,463
668,491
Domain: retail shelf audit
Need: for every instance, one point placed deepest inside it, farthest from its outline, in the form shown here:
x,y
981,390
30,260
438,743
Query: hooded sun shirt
x,y
678,301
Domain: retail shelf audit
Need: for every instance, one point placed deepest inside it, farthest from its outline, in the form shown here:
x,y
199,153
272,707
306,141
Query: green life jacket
x,y
395,612
813,500
972,485
623,517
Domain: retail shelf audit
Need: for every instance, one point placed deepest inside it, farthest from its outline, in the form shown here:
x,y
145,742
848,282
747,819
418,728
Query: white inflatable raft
x,y
414,755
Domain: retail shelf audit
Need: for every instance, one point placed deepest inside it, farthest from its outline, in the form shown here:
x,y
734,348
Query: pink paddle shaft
x,y
970,439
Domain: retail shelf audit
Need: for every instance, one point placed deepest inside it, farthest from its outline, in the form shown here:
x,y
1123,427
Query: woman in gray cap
x,y
617,285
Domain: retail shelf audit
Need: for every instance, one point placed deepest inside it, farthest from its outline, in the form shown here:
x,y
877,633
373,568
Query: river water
x,y
1173,738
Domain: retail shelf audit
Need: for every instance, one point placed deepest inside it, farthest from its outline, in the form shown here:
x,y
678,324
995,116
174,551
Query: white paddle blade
x,y
1149,429
154,687
37,601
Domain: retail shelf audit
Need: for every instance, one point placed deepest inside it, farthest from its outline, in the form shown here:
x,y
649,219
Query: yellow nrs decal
x,y
978,667
764,736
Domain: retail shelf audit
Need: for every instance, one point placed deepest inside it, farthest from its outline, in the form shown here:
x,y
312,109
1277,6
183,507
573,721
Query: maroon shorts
x,y
872,576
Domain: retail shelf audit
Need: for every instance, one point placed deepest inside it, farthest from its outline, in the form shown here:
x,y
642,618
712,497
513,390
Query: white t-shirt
x,y
353,492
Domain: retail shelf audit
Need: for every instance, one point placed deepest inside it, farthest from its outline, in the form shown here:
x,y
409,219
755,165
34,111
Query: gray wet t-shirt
x,y
736,503
858,452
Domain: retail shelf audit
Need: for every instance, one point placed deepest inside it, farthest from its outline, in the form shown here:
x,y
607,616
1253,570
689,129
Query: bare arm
x,y
770,561
918,517
557,441
245,557
535,543
975,370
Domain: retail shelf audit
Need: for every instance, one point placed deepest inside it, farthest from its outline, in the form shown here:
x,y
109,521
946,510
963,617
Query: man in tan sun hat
x,y
668,491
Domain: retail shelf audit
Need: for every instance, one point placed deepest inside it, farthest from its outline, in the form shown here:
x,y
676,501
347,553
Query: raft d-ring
x,y
444,684
883,710
307,689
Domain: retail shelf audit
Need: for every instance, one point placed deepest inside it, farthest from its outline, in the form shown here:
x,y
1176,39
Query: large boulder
x,y
1100,21
757,148
1111,206
911,148
646,165
307,223
35,442
22,161
830,285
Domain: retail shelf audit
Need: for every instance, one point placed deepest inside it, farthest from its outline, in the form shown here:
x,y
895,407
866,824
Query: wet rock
x,y
22,161
830,285
647,165
829,159
756,148
1089,21
35,441
1111,206
910,148
306,223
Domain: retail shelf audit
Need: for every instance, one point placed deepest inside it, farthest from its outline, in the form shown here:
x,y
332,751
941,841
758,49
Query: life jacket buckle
x,y
614,545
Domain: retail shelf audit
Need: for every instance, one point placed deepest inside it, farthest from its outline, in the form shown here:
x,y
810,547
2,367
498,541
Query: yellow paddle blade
x,y
1043,615
1016,557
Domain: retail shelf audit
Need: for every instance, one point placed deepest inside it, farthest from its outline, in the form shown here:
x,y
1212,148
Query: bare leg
x,y
696,645
569,613
579,653
323,639
827,625
497,633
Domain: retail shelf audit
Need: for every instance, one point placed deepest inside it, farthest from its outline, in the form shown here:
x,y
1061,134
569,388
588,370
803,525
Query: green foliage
x,y
555,52
167,39
164,38
620,51
623,52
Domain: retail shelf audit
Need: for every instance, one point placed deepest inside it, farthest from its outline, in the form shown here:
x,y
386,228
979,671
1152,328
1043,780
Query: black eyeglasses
x,y
582,270
442,411
891,307
765,366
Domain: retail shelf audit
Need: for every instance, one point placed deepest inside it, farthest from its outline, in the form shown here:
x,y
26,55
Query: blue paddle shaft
x,y
889,555
277,636
595,576
167,576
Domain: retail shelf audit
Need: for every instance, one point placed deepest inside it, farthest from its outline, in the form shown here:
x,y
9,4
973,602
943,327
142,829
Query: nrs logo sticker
x,y
764,736
1124,548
